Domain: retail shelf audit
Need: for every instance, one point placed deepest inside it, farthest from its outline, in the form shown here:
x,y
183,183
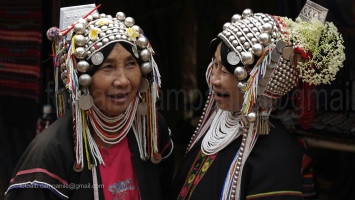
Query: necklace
x,y
225,128
117,126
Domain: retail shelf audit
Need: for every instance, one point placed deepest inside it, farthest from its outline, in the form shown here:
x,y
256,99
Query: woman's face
x,y
116,82
225,85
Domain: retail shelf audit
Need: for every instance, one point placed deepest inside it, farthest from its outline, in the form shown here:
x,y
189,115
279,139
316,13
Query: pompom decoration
x,y
52,33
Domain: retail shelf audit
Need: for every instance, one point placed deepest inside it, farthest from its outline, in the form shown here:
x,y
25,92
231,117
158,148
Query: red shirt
x,y
118,178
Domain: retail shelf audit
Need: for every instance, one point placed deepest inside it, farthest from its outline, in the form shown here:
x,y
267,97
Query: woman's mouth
x,y
220,96
119,98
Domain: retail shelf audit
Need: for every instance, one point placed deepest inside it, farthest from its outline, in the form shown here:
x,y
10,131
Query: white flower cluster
x,y
326,45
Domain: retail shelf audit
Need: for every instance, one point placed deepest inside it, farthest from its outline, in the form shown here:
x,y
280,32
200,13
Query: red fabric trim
x,y
35,170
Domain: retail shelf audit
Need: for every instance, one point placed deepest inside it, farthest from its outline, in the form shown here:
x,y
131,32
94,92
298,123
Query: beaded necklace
x,y
225,128
118,126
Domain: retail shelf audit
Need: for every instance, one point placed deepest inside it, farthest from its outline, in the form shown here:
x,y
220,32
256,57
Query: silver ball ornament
x,y
247,58
79,40
137,29
64,74
142,42
120,16
85,80
129,21
146,68
145,55
89,18
226,25
239,48
241,73
247,13
111,37
79,28
104,28
236,18
95,15
251,117
235,43
250,35
83,66
267,28
257,49
108,32
242,86
265,38
102,34
99,45
105,41
246,45
80,53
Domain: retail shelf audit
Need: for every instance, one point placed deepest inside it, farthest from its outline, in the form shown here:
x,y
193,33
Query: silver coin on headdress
x,y
142,108
275,56
143,85
286,53
233,58
86,102
280,45
97,58
264,102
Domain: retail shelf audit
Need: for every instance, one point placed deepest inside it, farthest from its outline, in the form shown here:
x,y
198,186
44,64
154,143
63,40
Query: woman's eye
x,y
131,63
107,67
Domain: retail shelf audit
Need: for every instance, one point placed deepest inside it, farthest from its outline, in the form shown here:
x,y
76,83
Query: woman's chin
x,y
229,108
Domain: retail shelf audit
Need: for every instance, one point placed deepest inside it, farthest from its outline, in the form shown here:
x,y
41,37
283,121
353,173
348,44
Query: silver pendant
x,y
233,58
142,108
286,53
280,45
275,56
264,102
143,85
97,58
86,102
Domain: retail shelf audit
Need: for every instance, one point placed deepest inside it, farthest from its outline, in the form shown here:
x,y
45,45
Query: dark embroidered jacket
x,y
45,170
272,170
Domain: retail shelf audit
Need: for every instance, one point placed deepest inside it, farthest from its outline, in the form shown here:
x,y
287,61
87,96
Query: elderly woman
x,y
237,152
112,144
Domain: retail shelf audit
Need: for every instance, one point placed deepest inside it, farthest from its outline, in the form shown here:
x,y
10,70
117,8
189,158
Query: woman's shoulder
x,y
48,159
278,145
51,146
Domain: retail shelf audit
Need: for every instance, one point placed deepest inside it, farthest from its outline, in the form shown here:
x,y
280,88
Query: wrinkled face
x,y
115,83
225,85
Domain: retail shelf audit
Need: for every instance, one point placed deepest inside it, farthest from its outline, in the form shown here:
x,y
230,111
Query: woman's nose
x,y
120,80
216,78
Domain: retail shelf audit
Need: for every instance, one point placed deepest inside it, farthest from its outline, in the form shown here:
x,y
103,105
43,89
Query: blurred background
x,y
180,33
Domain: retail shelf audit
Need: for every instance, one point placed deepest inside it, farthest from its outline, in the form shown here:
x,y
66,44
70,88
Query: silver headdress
x,y
77,51
270,56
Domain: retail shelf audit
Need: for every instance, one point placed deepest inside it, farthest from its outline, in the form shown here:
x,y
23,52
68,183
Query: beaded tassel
x,y
231,188
257,73
207,115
